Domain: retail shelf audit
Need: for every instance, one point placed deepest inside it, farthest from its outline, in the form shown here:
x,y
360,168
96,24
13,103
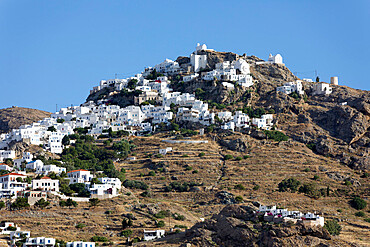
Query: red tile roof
x,y
13,173
79,170
45,177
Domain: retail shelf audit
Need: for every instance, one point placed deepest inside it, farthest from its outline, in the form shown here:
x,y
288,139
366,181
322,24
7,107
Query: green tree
x,y
2,205
333,227
60,120
126,233
317,79
358,203
289,184
52,129
42,203
160,223
66,140
126,223
20,203
70,203
94,202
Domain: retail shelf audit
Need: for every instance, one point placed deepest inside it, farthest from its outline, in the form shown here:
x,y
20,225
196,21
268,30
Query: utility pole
x,y
56,107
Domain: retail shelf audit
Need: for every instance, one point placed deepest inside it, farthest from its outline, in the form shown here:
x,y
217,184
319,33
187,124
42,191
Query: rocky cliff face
x,y
14,117
238,226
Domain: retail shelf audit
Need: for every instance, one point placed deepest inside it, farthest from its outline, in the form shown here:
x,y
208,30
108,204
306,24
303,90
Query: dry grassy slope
x,y
268,164
14,117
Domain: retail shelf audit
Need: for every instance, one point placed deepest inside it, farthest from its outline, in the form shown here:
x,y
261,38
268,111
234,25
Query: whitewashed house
x,y
35,165
5,167
6,154
80,244
11,183
190,77
45,184
321,89
164,151
241,119
46,169
4,225
152,235
39,242
79,176
291,87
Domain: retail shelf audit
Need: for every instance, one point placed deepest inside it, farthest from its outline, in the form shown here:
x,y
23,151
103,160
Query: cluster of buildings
x,y
16,234
279,215
15,183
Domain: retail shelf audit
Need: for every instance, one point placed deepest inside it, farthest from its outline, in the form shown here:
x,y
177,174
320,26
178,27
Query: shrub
x,y
99,239
202,154
360,214
162,214
316,177
11,228
93,202
246,156
146,194
333,227
238,158
367,220
126,223
180,187
238,198
228,157
177,216
276,135
126,233
133,184
181,226
151,173
189,168
20,203
185,156
339,210
160,223
347,183
289,184
239,187
80,225
256,187
310,190
195,171
358,203
307,170
42,203
158,156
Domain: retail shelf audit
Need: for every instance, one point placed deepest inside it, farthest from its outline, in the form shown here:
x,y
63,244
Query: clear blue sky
x,y
54,52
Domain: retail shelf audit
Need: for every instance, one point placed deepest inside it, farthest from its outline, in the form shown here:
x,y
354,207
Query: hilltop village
x,y
80,172
155,104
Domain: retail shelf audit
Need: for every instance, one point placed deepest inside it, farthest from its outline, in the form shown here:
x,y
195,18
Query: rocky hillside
x,y
14,117
238,226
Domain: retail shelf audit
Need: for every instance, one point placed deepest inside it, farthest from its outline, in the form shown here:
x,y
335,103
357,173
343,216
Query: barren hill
x,y
14,117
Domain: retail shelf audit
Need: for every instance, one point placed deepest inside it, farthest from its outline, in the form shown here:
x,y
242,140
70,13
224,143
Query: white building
x,y
264,122
190,77
199,61
45,184
39,242
164,151
5,167
79,176
80,244
151,235
46,169
4,225
19,234
273,59
6,154
11,183
321,89
291,87
35,165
